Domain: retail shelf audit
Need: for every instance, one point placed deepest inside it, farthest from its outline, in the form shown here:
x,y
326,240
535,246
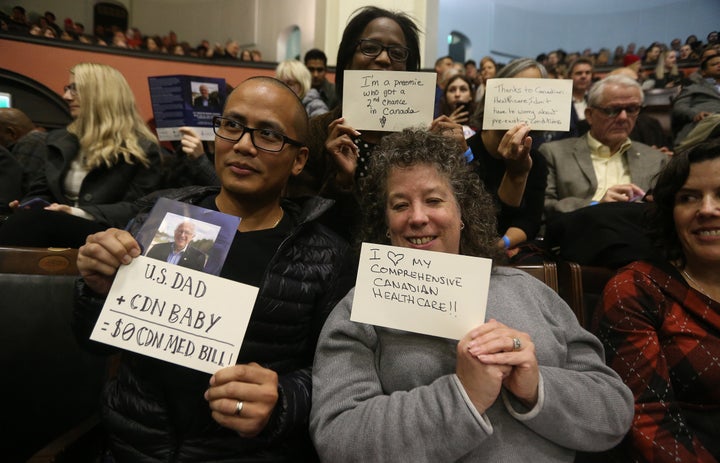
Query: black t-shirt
x,y
251,251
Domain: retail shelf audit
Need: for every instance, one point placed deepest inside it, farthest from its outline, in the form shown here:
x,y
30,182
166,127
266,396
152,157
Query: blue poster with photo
x,y
186,101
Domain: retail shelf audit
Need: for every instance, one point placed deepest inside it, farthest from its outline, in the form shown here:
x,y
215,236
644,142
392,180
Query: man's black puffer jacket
x,y
155,411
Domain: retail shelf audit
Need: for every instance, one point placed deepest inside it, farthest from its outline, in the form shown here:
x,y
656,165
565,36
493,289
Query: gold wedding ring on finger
x,y
517,345
238,407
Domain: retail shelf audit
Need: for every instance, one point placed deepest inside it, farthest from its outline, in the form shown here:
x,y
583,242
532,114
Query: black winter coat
x,y
155,411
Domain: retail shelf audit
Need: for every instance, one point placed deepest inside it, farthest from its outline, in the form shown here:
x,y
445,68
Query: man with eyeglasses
x,y
603,165
316,62
256,410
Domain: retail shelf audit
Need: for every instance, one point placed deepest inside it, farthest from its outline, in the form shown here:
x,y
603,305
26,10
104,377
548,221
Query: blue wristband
x,y
506,240
469,156
592,203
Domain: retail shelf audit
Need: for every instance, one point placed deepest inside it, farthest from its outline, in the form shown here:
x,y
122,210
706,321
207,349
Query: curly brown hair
x,y
413,147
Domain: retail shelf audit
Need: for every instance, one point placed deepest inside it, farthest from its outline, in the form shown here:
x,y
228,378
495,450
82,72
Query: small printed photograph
x,y
183,241
205,96
187,235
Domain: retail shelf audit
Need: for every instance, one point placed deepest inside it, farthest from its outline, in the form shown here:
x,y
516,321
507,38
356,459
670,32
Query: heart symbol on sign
x,y
395,258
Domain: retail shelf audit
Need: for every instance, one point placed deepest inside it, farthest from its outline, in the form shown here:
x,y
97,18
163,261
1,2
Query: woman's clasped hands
x,y
493,356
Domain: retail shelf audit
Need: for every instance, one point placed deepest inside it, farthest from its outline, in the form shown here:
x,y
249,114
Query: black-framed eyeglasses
x,y
614,111
373,48
262,139
70,88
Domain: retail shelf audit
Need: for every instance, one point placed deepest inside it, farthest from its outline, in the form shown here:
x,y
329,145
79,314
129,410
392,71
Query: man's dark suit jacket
x,y
191,258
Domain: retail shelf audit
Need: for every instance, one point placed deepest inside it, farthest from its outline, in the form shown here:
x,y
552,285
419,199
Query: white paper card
x,y
388,100
544,104
426,292
176,314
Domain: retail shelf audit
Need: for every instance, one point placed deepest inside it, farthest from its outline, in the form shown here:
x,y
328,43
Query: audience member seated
x,y
95,168
510,169
660,319
10,181
488,69
376,39
581,73
255,410
26,142
457,102
666,74
316,62
527,385
698,100
604,165
18,23
296,76
231,52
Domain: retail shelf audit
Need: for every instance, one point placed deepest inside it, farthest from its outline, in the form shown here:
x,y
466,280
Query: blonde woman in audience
x,y
666,74
296,76
95,168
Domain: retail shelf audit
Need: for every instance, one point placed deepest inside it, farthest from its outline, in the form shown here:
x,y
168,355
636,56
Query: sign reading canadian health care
x,y
426,292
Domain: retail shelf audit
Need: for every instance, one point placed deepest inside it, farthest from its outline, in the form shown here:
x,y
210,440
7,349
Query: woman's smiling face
x,y
421,210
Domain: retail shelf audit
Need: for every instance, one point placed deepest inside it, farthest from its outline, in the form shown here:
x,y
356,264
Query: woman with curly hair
x,y
527,385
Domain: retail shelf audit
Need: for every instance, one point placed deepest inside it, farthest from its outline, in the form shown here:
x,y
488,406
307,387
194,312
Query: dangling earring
x,y
462,225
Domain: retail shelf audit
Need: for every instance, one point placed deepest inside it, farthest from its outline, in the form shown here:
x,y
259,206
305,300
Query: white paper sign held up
x,y
434,293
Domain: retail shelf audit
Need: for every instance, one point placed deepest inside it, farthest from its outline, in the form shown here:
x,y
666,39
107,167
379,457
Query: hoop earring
x,y
462,225
387,233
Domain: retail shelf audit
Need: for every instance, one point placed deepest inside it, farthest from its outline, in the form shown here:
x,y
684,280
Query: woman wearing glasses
x,y
95,168
374,39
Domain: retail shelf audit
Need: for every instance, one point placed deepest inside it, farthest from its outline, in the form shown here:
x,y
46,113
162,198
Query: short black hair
x,y
355,27
316,53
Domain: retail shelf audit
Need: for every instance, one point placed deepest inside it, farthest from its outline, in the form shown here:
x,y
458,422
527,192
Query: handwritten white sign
x,y
426,292
388,100
176,314
544,104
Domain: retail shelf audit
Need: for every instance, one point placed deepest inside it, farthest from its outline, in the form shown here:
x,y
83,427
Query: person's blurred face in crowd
x,y
317,72
670,59
422,211
685,51
487,70
712,68
653,53
457,91
581,76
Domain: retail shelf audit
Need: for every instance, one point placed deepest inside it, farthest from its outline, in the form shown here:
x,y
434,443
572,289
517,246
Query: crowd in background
x,y
556,61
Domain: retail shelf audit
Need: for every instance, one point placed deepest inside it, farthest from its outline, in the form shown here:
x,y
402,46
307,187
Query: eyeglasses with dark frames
x,y
262,139
614,111
373,48
70,88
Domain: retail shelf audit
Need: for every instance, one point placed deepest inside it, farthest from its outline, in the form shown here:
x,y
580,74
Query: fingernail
x,y
126,259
